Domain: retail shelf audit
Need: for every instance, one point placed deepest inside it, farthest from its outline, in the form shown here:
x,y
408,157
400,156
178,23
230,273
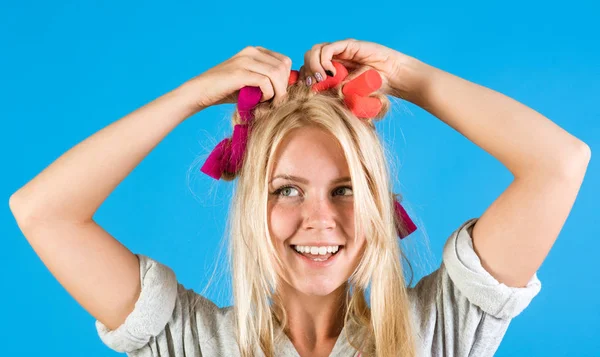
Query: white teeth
x,y
317,250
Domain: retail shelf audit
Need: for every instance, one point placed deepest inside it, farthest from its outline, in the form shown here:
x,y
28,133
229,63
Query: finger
x,y
313,60
271,71
325,60
265,55
278,56
279,73
306,71
301,76
258,74
310,69
342,51
350,66
256,79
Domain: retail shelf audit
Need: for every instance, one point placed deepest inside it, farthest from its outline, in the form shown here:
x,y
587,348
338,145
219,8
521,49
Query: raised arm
x,y
514,235
55,209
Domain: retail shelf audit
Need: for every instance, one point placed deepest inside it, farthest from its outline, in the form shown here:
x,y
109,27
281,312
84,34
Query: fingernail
x,y
308,81
329,73
319,77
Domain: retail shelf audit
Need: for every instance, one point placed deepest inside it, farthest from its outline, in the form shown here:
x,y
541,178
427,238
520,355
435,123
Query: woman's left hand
x,y
403,76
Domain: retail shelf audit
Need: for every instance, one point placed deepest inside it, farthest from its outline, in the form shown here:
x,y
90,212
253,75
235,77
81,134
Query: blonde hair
x,y
384,328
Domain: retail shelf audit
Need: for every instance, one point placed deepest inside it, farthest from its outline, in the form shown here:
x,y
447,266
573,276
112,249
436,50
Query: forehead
x,y
312,153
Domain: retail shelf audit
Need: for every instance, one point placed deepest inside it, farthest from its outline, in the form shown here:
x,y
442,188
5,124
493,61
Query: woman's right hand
x,y
253,66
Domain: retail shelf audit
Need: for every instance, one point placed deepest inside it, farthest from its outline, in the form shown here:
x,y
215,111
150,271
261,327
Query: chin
x,y
317,287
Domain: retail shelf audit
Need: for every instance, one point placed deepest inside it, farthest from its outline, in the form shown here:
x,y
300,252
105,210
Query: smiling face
x,y
316,206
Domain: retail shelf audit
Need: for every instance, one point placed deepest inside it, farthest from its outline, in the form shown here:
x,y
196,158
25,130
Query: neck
x,y
313,321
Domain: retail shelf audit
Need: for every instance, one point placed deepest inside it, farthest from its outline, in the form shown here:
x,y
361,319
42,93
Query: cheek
x,y
282,221
349,213
346,217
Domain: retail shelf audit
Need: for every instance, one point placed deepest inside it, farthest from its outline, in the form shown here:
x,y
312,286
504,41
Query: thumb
x,y
357,73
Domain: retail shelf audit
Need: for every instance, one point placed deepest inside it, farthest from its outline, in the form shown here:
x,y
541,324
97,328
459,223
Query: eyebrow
x,y
305,181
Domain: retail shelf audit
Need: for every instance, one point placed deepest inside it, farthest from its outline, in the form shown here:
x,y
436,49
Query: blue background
x,y
70,68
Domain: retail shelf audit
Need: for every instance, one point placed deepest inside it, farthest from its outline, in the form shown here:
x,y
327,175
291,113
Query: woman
x,y
313,175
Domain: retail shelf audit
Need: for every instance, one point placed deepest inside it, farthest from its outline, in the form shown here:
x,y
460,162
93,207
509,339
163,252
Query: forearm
x,y
76,184
519,137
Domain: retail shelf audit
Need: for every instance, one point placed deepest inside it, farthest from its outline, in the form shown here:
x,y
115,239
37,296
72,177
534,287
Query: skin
x,y
512,237
516,232
313,212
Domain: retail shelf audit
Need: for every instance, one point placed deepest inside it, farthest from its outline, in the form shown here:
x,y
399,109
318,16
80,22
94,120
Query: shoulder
x,y
462,296
170,315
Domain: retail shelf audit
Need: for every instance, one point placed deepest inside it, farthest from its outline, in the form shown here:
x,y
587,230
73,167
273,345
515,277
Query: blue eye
x,y
345,187
279,191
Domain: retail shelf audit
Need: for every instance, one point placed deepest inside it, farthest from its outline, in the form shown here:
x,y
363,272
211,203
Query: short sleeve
x,y
477,285
152,310
461,309
167,320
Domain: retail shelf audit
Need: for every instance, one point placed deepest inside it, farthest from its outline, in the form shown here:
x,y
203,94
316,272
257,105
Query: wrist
x,y
188,94
412,80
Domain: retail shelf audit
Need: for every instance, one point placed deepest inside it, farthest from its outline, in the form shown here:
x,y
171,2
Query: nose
x,y
319,214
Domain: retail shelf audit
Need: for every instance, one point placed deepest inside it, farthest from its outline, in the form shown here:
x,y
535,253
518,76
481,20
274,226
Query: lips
x,y
310,257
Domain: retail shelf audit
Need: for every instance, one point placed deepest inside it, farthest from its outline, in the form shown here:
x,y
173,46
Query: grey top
x,y
459,310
